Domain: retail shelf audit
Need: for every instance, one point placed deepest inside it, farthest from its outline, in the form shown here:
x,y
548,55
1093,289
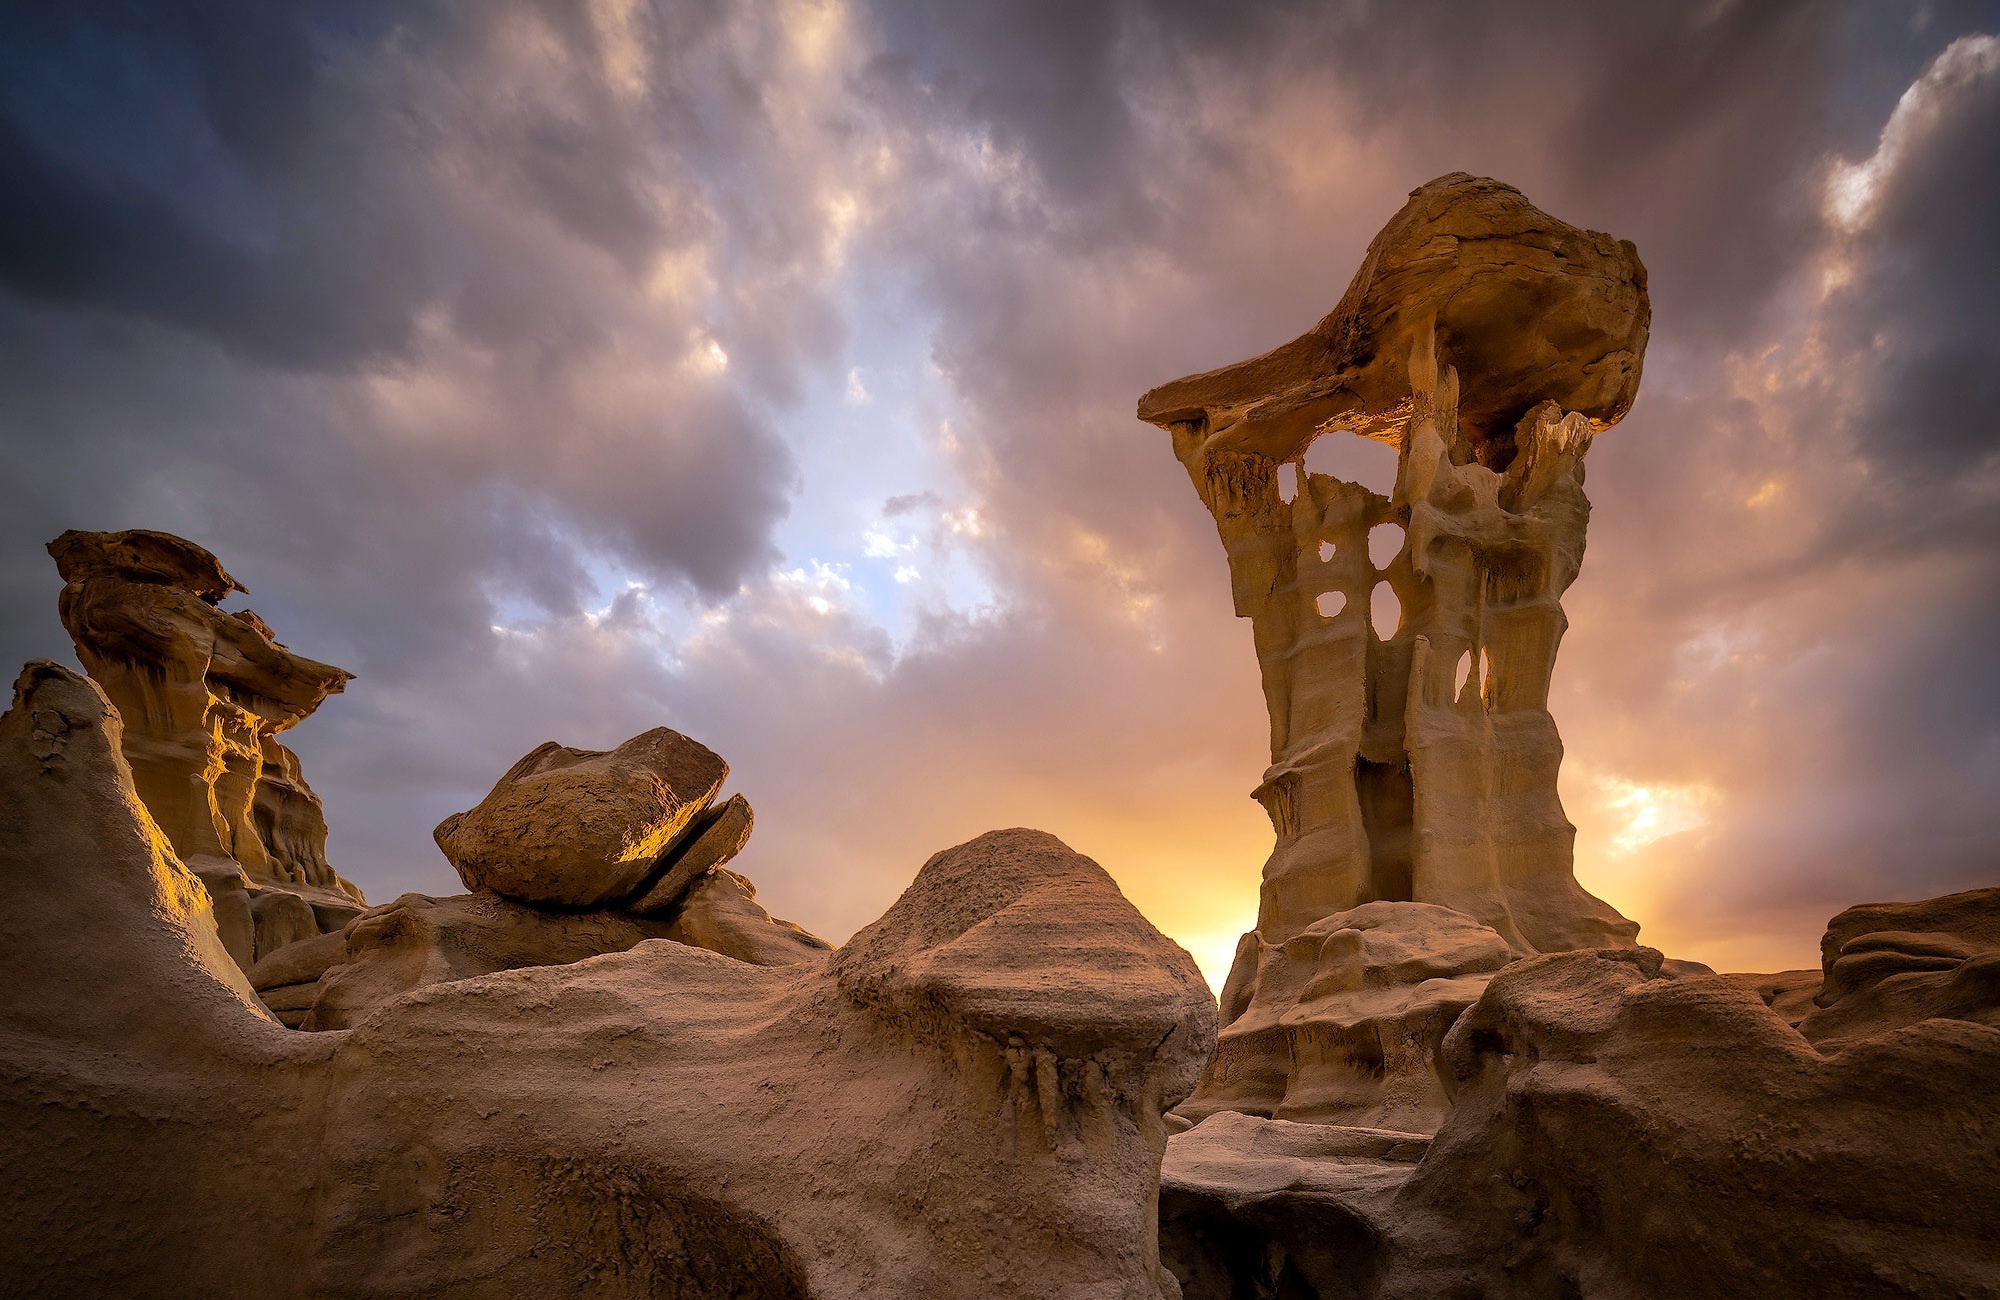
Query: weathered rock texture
x,y
204,695
1344,1019
1621,1133
721,913
580,827
1527,308
1488,341
418,940
713,840
967,1101
1886,965
562,825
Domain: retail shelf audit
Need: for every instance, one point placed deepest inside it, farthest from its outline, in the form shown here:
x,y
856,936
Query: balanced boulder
x,y
583,828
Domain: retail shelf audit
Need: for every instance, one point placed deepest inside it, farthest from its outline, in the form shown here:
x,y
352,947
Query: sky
x,y
766,370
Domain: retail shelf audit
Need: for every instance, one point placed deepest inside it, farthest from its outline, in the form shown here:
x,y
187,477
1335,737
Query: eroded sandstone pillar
x,y
204,695
1488,342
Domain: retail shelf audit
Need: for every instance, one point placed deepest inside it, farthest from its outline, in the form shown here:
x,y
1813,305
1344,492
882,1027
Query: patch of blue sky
x,y
882,499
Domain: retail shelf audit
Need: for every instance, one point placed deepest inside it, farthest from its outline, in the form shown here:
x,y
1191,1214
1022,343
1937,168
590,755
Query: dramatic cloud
x,y
767,369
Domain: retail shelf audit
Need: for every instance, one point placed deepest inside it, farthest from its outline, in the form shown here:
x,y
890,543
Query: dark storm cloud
x,y
325,190
173,162
1919,314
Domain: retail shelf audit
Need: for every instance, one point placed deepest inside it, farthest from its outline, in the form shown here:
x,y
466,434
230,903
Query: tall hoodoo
x,y
204,695
1488,342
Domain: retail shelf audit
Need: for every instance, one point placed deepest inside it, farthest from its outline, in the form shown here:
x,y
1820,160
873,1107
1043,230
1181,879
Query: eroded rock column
x,y
1417,764
203,695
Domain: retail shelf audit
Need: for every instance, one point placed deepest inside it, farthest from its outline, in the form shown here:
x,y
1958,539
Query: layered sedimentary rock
x,y
418,940
1886,965
966,1101
1619,1131
204,695
1488,341
716,838
1343,1021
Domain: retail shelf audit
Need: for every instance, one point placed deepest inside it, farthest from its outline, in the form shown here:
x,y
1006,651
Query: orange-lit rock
x,y
1342,1022
204,695
718,836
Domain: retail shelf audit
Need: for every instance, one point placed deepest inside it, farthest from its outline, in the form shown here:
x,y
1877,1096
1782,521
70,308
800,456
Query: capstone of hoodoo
x,y
204,695
968,1101
1488,341
1527,309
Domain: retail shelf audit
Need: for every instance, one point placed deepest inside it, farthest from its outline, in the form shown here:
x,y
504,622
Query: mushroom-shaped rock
x,y
583,828
1527,308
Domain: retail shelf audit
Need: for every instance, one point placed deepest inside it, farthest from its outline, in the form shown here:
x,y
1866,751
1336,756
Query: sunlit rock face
x,y
1417,763
1528,309
204,695
966,1101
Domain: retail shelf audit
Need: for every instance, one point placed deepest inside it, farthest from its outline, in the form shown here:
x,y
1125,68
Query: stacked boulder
x,y
573,854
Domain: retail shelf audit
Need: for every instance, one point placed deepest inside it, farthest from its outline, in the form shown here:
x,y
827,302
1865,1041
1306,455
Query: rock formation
x,y
1443,1068
584,828
1887,965
1607,1122
1620,1131
1348,1016
965,1101
204,696
574,854
1488,341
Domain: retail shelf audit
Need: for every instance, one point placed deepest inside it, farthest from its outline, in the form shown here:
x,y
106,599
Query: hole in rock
x,y
1353,459
1288,482
1464,673
1331,603
1388,811
1326,552
1384,541
1486,676
1385,611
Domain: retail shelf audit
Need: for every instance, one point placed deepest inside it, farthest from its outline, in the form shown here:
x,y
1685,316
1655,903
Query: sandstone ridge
x,y
957,1105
